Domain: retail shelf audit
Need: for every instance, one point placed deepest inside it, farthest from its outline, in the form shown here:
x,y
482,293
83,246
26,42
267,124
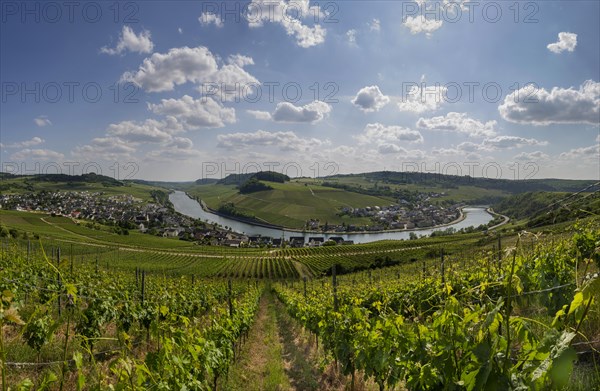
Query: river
x,y
474,216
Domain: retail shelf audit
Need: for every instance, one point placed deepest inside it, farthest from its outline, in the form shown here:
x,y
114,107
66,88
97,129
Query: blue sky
x,y
167,90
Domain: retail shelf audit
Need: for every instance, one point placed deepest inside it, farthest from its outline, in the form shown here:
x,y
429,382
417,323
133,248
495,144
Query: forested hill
x,y
64,178
454,181
240,179
542,208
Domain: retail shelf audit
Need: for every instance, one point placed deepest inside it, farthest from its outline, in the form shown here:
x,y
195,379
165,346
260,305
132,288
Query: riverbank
x,y
262,224
506,218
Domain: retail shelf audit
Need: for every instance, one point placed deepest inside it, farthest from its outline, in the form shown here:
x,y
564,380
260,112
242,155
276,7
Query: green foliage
x,y
544,208
39,331
253,185
459,335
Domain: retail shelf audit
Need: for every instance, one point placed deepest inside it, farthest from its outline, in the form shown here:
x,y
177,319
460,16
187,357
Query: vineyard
x,y
85,327
517,320
109,251
463,313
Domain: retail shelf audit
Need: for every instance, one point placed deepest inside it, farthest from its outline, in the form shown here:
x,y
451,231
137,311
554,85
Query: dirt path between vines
x,y
270,359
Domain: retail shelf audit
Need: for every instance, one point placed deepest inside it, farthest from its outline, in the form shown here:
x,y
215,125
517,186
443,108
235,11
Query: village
x,y
404,215
124,212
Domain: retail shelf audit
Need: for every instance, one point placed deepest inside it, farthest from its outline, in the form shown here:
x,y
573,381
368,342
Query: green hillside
x,y
290,204
544,208
13,184
464,188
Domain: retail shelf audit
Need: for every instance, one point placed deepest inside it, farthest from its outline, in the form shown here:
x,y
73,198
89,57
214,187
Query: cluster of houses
x,y
402,216
152,218
232,239
94,206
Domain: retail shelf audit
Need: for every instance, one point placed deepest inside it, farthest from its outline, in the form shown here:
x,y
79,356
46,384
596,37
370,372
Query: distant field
x,y
460,193
26,185
291,204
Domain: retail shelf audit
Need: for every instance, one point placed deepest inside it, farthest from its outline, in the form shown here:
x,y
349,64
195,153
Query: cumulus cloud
x,y
351,36
566,41
557,106
423,98
458,123
284,141
289,14
26,144
286,112
311,112
508,142
207,18
531,156
420,24
105,148
589,153
42,121
180,148
130,41
163,71
498,143
379,134
258,114
370,99
195,113
37,154
148,131
400,152
240,60
374,25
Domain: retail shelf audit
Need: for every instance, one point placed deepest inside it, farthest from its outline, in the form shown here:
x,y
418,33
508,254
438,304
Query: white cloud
x,y
180,30
180,148
531,156
379,134
458,123
284,141
469,146
419,99
558,106
420,24
258,114
240,60
163,71
498,143
42,120
149,131
286,112
370,99
129,40
374,25
351,35
400,152
566,41
195,113
289,14
106,148
206,19
311,112
26,144
38,154
588,153
508,142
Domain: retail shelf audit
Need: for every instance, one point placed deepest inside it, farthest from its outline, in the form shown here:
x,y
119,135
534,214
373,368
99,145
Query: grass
x,y
457,194
24,185
260,366
291,204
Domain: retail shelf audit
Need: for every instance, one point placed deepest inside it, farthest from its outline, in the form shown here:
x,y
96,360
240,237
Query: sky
x,y
183,90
